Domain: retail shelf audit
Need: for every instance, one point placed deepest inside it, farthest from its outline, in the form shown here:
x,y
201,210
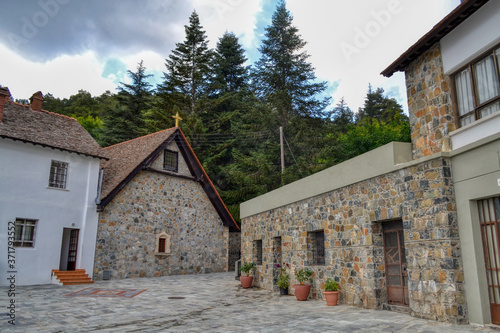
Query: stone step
x,y
396,308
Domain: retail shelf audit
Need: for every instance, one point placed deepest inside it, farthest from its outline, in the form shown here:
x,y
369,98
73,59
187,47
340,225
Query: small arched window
x,y
162,244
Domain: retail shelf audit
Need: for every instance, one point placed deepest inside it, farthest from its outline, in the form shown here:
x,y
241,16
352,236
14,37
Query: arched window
x,y
162,244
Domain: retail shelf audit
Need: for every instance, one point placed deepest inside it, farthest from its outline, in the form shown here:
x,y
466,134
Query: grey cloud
x,y
43,29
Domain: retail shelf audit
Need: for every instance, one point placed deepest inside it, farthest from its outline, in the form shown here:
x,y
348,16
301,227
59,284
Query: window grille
x,y
258,251
316,245
171,160
58,174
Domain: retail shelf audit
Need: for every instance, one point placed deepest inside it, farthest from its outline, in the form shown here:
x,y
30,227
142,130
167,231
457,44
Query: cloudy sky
x,y
62,46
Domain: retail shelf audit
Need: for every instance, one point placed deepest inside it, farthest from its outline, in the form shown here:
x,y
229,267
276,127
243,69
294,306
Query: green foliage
x,y
188,68
369,134
232,113
229,74
247,267
303,275
124,120
282,76
343,116
284,279
93,125
379,107
331,285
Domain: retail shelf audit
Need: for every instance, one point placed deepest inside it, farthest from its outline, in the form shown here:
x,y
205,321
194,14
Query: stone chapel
x,y
159,212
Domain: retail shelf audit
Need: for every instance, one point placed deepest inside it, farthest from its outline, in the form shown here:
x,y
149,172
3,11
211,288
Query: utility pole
x,y
282,151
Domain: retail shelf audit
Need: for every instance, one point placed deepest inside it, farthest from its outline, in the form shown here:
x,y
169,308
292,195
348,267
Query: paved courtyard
x,y
193,303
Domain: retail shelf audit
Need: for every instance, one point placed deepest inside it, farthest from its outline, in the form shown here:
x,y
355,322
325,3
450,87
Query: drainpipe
x,y
99,187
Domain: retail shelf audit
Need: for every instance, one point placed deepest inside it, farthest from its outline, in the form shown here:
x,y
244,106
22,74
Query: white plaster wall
x,y
24,193
477,34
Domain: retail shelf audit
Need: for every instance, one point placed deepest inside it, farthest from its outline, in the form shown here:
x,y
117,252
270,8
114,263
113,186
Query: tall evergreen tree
x,y
230,74
379,107
124,119
282,75
188,68
342,116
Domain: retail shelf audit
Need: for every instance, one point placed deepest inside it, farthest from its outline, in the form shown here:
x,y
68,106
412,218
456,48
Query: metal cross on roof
x,y
177,118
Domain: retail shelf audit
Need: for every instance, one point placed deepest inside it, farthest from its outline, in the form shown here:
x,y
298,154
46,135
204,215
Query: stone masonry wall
x,y
352,218
234,249
429,104
150,204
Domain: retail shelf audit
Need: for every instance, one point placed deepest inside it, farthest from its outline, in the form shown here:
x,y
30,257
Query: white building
x,y
49,171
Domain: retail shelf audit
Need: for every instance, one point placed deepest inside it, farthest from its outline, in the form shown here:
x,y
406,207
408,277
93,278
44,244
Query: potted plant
x,y
283,280
246,267
331,292
302,290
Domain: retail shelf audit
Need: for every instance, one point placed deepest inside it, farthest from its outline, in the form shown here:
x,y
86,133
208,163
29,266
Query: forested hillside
x,y
232,112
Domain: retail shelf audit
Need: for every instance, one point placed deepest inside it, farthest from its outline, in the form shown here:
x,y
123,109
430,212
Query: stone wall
x,y
429,104
352,218
153,203
234,249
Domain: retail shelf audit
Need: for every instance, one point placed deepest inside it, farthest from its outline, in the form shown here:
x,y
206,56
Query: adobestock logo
x,y
363,37
220,7
31,26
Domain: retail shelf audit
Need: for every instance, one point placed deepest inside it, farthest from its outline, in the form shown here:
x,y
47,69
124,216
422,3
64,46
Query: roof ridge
x,y
56,114
140,137
17,103
28,106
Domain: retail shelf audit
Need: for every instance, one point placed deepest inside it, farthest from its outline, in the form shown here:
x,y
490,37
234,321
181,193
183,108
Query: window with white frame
x,y
477,88
58,174
24,232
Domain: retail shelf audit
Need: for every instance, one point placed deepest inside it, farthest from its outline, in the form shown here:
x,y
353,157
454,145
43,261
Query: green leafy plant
x,y
303,275
284,278
331,285
247,267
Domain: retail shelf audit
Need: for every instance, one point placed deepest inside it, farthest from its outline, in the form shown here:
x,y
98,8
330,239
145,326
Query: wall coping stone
x,y
389,158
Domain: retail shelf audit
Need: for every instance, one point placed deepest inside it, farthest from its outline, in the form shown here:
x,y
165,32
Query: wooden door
x,y
72,251
395,264
489,218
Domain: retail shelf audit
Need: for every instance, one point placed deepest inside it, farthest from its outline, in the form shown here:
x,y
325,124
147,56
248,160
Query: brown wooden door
x,y
395,263
72,251
489,218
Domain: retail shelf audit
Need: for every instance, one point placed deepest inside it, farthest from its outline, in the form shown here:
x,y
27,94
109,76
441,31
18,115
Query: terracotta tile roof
x,y
20,122
445,26
126,156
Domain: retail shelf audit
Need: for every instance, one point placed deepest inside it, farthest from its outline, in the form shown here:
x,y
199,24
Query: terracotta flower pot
x,y
246,281
331,297
302,291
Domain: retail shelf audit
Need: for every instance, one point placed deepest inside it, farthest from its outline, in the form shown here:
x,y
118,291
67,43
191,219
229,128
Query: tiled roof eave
x,y
445,26
53,147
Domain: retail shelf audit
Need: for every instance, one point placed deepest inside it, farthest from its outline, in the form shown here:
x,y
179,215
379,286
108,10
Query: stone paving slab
x,y
212,303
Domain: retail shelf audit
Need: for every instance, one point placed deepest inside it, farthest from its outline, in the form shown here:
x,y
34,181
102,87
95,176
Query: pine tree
x,y
342,116
379,107
188,68
282,75
124,119
229,72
